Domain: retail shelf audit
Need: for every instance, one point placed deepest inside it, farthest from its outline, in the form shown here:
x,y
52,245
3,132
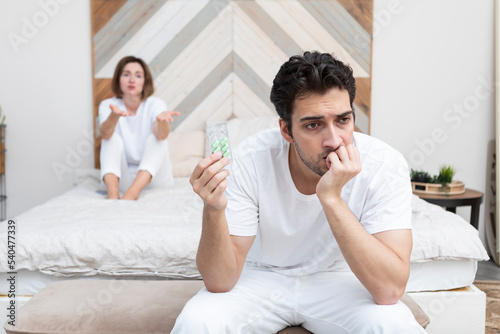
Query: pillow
x,y
186,151
241,128
439,235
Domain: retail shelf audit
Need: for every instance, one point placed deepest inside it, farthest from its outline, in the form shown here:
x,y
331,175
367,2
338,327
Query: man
x,y
312,227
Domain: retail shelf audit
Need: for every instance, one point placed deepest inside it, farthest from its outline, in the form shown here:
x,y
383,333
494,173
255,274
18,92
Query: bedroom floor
x,y
488,271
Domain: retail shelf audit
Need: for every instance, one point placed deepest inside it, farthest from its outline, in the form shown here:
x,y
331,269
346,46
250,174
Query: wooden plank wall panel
x,y
361,11
120,28
339,23
102,11
196,61
216,59
203,91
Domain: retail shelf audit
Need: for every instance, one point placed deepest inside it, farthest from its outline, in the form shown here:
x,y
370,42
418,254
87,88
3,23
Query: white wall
x,y
433,89
428,56
46,94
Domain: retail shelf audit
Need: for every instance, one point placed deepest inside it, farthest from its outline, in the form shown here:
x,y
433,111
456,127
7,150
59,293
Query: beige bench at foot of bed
x,y
122,306
108,306
117,306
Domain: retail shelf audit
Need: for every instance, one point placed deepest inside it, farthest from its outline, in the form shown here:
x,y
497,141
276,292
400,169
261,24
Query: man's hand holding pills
x,y
209,180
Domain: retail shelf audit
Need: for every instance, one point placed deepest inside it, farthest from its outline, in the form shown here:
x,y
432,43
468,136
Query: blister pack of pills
x,y
218,139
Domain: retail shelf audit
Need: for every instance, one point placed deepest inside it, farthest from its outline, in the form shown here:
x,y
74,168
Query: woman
x,y
134,127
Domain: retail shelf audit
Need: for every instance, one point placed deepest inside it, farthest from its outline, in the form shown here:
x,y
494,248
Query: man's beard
x,y
314,165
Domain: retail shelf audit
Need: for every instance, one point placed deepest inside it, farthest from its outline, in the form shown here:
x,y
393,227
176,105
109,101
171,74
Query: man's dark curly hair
x,y
312,72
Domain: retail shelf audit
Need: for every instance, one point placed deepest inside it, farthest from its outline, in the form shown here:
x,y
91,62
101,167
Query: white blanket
x,y
80,233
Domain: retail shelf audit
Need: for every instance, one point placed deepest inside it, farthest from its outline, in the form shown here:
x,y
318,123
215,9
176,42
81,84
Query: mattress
x,y
424,276
441,275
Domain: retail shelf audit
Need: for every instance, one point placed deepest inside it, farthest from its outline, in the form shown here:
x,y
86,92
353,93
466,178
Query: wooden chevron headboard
x,y
216,59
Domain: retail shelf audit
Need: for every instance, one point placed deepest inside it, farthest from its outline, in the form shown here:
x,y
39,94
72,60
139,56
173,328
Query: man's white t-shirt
x,y
293,236
134,130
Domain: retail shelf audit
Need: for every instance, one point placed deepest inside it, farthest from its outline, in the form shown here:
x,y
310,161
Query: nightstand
x,y
472,198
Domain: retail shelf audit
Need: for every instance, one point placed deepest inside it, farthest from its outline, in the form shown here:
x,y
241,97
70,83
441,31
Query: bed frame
x,y
458,311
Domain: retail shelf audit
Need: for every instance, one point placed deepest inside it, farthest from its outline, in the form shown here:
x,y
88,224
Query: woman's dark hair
x,y
312,72
148,88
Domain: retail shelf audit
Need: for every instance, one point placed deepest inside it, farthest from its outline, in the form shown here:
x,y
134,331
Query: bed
x,y
79,235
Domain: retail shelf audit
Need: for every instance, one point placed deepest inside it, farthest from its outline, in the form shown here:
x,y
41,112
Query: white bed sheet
x,y
29,283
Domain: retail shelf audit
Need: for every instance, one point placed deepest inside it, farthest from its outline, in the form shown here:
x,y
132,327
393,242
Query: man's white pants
x,y
155,160
265,302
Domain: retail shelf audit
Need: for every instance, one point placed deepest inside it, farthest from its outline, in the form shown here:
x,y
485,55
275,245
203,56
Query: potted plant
x,y
420,176
441,184
445,176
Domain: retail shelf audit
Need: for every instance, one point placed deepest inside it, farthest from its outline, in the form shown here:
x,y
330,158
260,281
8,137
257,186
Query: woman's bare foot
x,y
130,195
141,180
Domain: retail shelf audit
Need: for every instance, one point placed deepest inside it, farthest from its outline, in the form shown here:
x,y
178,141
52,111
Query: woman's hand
x,y
118,112
161,127
166,116
107,128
